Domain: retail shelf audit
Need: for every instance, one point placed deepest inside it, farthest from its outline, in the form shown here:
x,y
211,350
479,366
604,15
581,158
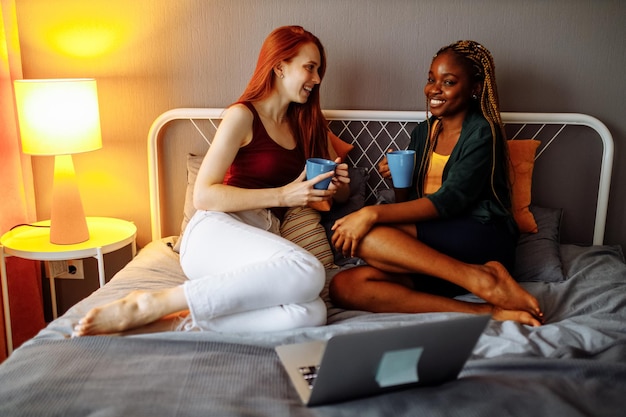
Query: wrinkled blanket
x,y
574,365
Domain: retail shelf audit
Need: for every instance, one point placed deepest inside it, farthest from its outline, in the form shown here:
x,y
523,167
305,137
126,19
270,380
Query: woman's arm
x,y
210,193
351,229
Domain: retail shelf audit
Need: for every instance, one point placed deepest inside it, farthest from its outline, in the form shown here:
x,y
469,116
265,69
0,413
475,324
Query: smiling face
x,y
449,87
300,74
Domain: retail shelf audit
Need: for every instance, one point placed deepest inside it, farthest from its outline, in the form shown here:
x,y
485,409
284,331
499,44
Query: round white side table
x,y
33,242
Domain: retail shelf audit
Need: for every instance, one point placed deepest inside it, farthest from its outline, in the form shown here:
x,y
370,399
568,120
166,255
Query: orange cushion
x,y
522,154
339,147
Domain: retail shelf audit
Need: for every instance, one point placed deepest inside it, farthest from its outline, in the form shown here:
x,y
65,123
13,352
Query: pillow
x,y
301,225
338,147
193,165
538,255
522,155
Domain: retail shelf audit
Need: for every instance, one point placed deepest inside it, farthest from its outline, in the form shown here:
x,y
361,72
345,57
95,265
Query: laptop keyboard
x,y
309,373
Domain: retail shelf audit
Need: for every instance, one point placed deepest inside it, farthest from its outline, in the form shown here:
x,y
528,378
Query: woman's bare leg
x,y
370,289
396,251
139,308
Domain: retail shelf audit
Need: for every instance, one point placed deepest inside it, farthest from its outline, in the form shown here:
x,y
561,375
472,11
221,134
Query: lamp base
x,y
67,218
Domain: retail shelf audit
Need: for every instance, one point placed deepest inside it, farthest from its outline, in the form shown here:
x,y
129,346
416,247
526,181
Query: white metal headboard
x,y
364,116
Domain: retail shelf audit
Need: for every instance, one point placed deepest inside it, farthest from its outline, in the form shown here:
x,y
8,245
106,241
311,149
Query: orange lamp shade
x,y
58,116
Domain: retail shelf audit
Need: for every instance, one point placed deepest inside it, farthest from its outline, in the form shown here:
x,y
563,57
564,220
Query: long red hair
x,y
306,120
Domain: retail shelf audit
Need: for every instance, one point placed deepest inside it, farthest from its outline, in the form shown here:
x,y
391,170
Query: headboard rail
x,y
373,132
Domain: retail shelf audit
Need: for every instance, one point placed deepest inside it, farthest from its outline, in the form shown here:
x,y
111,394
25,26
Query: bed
x,y
573,365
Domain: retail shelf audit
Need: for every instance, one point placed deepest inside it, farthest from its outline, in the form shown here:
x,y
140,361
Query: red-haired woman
x,y
243,276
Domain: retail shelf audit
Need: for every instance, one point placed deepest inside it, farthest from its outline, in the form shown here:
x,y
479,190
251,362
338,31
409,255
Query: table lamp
x,y
60,117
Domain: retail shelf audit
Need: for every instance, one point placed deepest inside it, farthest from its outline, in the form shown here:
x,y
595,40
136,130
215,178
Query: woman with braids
x,y
243,276
452,231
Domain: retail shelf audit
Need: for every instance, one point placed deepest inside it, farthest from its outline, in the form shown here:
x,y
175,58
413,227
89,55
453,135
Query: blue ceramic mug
x,y
401,166
317,166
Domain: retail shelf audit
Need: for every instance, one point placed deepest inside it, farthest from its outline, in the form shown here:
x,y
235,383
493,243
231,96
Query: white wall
x,y
557,56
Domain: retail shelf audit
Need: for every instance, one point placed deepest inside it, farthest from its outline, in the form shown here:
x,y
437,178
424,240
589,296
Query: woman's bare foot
x,y
137,309
169,323
501,314
496,286
522,317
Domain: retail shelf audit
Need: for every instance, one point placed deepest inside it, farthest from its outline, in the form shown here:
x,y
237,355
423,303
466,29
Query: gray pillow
x,y
193,165
538,255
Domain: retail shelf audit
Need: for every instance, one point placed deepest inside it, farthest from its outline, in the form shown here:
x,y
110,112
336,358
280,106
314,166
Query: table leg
x,y
5,302
53,297
100,258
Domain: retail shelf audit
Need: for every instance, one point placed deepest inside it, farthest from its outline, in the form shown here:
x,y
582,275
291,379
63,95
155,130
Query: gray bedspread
x,y
574,365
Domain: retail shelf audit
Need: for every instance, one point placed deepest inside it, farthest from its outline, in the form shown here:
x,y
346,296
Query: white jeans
x,y
243,277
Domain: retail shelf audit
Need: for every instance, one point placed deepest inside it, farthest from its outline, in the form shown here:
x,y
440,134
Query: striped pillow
x,y
301,226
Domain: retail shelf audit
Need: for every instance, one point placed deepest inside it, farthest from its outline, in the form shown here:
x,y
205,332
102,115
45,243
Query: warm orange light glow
x,y
58,116
91,29
85,40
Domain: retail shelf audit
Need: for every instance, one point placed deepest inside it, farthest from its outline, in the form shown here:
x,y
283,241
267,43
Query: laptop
x,y
361,364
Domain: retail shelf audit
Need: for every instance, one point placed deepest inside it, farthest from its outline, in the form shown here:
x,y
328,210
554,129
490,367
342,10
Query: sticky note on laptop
x,y
398,367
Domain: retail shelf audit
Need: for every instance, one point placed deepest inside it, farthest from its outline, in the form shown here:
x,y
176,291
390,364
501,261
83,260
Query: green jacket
x,y
466,187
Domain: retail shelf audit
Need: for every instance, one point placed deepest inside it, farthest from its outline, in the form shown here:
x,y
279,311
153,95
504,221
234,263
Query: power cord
x,y
27,224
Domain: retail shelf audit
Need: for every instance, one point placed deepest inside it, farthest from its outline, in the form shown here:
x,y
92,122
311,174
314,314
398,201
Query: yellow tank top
x,y
434,176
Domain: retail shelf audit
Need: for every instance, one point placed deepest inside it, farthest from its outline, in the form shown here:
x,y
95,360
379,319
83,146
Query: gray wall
x,y
551,56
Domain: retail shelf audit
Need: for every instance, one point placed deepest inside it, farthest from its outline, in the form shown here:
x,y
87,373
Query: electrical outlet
x,y
72,269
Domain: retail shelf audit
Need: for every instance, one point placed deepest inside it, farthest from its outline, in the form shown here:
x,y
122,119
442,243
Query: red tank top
x,y
263,163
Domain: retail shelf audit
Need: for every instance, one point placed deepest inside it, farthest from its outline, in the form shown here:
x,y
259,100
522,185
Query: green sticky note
x,y
399,367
